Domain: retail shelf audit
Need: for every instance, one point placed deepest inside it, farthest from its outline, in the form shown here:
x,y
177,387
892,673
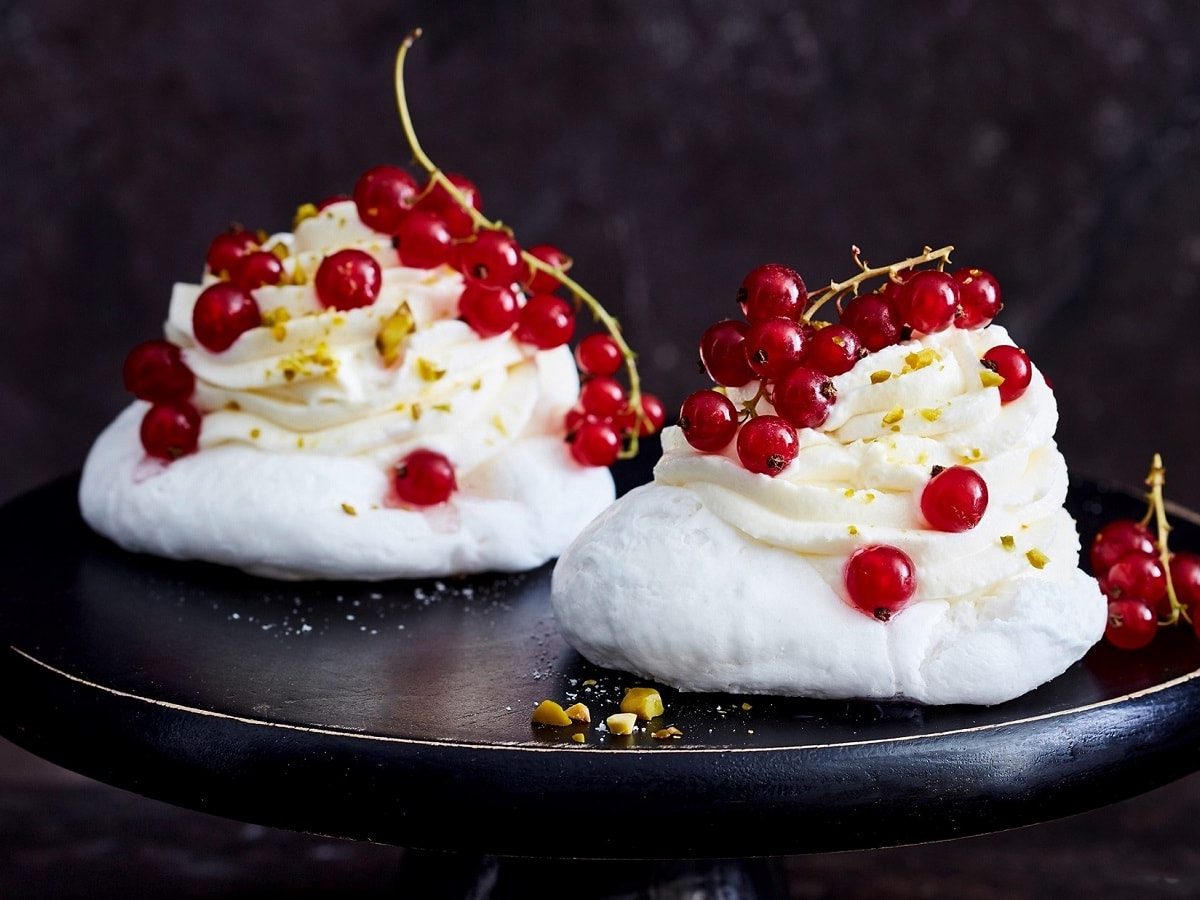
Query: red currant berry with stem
x,y
654,416
227,248
492,259
1136,575
804,397
954,499
1117,539
598,354
423,241
723,353
708,420
171,429
257,269
928,301
1131,624
834,350
155,371
871,318
384,195
880,580
438,201
603,397
595,444
543,282
1185,578
424,478
766,445
1013,366
773,346
978,298
771,291
488,310
546,321
223,312
348,279
329,201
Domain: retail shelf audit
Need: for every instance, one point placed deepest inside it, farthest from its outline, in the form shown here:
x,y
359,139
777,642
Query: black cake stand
x,y
399,713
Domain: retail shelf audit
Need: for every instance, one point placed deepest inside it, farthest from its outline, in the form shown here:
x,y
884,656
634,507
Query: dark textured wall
x,y
669,146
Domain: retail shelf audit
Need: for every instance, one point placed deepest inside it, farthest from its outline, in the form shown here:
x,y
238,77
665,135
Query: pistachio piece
x,y
550,714
621,723
645,703
579,713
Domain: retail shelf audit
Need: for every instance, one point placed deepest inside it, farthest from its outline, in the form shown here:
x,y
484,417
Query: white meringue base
x,y
661,587
280,515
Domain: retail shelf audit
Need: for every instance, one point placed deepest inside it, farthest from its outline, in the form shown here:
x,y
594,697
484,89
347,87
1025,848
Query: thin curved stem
x,y
1156,480
837,288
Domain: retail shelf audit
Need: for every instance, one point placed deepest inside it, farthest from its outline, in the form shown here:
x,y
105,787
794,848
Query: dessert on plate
x,y
385,391
872,508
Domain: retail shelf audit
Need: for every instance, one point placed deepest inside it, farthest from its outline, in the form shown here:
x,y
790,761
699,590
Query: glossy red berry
x,y
423,241
488,310
384,195
457,220
598,354
871,318
257,269
424,478
978,298
804,397
1117,539
603,397
155,371
1185,577
774,346
542,282
653,415
223,312
928,301
348,279
1136,575
708,420
546,321
1131,624
595,443
834,350
492,259
772,291
766,445
723,353
227,248
171,429
1013,366
880,580
954,499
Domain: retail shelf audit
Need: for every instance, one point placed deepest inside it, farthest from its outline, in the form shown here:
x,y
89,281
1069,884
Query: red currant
x,y
492,259
708,420
1117,539
653,415
766,445
223,312
872,319
1131,624
595,444
978,298
772,291
423,240
329,201
1185,578
155,371
257,269
723,353
424,478
171,429
603,397
834,350
804,397
1136,575
227,248
880,580
1013,366
773,346
488,310
954,499
384,195
546,321
438,201
542,282
928,301
348,279
598,354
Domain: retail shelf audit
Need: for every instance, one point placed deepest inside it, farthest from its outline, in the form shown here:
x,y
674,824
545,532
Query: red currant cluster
x,y
1147,585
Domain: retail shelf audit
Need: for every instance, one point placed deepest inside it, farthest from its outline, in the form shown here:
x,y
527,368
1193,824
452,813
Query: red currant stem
x,y
1157,508
837,288
597,309
750,407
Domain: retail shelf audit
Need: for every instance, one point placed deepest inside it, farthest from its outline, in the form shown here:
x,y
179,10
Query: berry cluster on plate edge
x,y
506,289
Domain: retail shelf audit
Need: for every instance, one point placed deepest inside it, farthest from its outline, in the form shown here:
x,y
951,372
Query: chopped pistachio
x,y
579,712
976,453
393,331
499,425
1008,542
869,498
895,428
919,359
988,378
664,734
646,703
349,510
621,723
550,714
931,415
415,412
428,371
893,416
591,682
880,377
578,737
442,407
299,276
255,433
849,492
280,251
745,707
303,211
1037,558
853,529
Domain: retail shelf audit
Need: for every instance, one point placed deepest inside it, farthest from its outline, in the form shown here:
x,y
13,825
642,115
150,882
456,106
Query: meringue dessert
x,y
870,509
382,393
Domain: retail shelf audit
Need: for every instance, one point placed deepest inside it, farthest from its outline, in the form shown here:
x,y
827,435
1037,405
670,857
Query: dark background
x,y
668,146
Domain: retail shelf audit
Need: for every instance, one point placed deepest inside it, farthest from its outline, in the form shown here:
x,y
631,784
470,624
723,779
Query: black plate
x,y
400,713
